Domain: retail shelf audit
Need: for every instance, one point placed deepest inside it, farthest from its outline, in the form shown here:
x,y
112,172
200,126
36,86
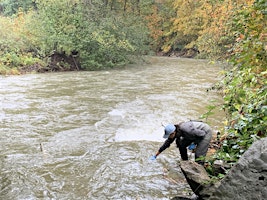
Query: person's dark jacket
x,y
189,131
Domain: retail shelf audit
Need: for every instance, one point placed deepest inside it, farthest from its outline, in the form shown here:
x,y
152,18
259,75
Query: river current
x,y
89,135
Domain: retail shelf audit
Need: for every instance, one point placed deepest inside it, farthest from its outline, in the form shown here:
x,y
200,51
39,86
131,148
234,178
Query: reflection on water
x,y
88,135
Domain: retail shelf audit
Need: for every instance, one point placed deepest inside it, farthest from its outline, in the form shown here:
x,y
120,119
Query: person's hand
x,y
192,146
153,158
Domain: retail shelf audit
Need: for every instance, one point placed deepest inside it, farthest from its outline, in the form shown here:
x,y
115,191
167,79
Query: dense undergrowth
x,y
94,36
244,86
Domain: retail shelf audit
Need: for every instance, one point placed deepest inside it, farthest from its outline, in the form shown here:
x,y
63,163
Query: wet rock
x,y
198,179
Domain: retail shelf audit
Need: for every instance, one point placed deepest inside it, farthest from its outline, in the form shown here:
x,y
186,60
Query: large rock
x,y
195,175
248,178
198,179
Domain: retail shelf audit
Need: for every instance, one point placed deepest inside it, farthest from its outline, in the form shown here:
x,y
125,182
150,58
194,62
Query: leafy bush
x,y
245,85
102,38
11,7
15,52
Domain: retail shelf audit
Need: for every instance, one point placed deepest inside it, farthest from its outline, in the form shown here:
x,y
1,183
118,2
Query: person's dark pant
x,y
203,145
184,143
201,149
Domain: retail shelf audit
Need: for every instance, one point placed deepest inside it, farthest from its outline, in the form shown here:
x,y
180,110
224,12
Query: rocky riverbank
x,y
245,180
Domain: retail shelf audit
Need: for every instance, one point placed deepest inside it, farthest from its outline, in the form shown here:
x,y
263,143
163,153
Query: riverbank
x,y
60,62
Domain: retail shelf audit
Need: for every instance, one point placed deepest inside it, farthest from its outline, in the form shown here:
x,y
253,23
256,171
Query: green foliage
x,y
245,85
112,42
99,35
158,17
55,26
210,108
15,53
102,38
12,7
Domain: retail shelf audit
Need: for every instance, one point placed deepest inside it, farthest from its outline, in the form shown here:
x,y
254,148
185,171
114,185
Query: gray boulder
x,y
246,180
198,179
196,175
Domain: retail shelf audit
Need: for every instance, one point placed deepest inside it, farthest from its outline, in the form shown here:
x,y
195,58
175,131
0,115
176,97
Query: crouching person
x,y
185,134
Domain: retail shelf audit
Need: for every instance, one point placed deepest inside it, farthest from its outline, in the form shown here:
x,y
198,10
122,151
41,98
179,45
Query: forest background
x,y
63,35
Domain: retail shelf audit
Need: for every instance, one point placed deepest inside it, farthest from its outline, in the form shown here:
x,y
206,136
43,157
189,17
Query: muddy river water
x,y
89,135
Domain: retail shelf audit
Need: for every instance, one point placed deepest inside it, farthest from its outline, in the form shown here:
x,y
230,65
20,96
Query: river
x,y
89,135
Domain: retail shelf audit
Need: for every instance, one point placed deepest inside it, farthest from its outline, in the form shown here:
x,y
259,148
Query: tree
x,y
186,25
103,38
11,7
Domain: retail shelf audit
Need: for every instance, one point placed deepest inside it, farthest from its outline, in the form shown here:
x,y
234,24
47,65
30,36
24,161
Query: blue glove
x,y
153,158
192,146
